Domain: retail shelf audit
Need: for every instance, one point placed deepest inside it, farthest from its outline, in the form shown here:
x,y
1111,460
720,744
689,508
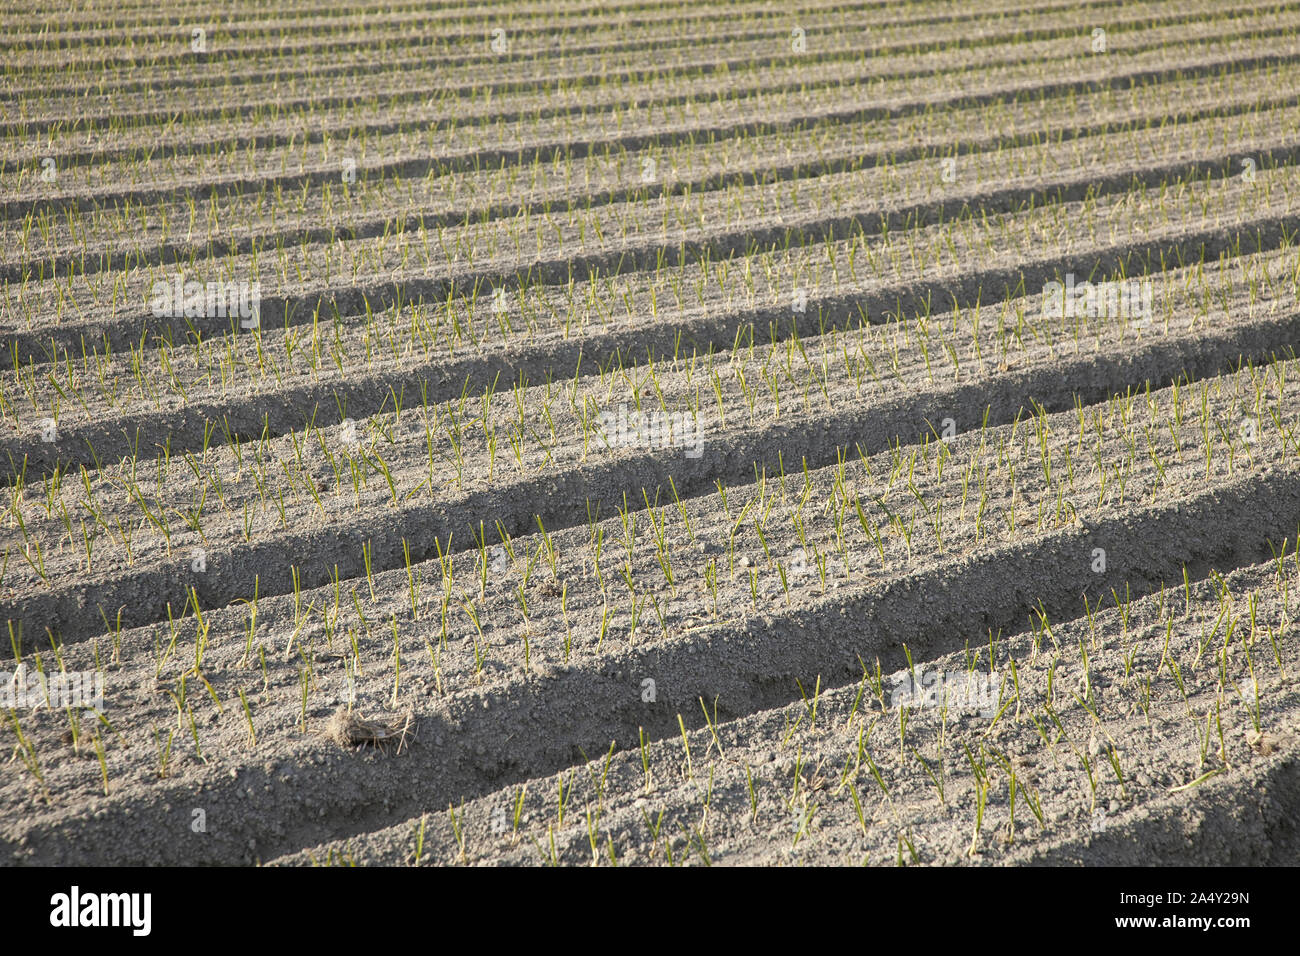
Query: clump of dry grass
x,y
351,730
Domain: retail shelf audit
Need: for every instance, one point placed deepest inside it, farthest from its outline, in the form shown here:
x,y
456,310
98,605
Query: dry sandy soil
x,y
659,439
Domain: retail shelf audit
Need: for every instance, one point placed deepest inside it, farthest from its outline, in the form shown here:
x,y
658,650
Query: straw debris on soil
x,y
348,729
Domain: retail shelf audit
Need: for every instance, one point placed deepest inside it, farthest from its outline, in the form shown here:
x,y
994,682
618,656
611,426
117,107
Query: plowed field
x,y
606,433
